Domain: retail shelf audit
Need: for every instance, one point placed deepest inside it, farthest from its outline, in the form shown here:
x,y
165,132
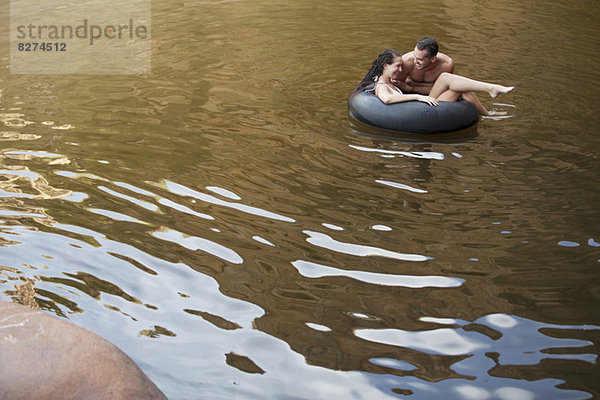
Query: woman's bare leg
x,y
460,84
449,95
472,97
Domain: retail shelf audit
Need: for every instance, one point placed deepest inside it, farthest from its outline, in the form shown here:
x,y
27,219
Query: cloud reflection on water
x,y
314,270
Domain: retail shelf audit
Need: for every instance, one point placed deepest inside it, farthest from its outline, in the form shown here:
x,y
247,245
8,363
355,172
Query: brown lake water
x,y
223,222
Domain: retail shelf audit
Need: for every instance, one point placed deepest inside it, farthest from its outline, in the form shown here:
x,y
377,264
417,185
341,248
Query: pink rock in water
x,y
43,357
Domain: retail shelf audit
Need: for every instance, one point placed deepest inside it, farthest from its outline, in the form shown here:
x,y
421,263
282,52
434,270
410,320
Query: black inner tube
x,y
411,116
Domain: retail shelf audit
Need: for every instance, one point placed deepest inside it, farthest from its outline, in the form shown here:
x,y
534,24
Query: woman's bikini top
x,y
393,88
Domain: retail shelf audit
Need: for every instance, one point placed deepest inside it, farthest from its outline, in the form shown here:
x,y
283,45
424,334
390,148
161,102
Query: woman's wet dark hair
x,y
385,57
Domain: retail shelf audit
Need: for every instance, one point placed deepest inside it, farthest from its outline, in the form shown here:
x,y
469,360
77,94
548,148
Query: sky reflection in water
x,y
223,212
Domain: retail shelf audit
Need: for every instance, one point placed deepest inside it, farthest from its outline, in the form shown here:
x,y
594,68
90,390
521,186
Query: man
x,y
423,66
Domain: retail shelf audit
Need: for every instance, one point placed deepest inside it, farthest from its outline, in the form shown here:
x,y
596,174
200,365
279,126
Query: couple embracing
x,y
424,75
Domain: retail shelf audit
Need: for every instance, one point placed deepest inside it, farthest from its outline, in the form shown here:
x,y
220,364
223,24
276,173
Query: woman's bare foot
x,y
499,89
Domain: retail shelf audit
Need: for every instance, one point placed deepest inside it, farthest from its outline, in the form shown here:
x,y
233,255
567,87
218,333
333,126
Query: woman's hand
x,y
429,100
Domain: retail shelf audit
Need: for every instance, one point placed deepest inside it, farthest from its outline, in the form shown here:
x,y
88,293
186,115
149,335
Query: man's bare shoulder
x,y
444,57
445,63
408,66
408,61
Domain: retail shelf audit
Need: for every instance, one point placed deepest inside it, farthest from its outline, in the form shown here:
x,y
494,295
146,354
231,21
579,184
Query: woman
x,y
447,87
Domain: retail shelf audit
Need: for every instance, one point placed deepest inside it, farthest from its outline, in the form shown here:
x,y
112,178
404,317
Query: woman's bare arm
x,y
388,96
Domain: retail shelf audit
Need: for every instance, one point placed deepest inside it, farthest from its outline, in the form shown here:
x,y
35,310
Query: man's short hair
x,y
428,44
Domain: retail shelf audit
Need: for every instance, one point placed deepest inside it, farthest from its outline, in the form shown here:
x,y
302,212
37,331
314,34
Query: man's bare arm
x,y
400,78
403,85
418,87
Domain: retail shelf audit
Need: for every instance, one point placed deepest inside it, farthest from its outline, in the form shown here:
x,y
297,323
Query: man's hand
x,y
419,87
405,87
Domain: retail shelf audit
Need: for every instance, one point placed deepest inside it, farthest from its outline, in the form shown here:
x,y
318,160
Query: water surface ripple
x,y
224,223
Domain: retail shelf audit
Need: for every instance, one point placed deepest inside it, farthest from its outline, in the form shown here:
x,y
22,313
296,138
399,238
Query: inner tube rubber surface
x,y
412,116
